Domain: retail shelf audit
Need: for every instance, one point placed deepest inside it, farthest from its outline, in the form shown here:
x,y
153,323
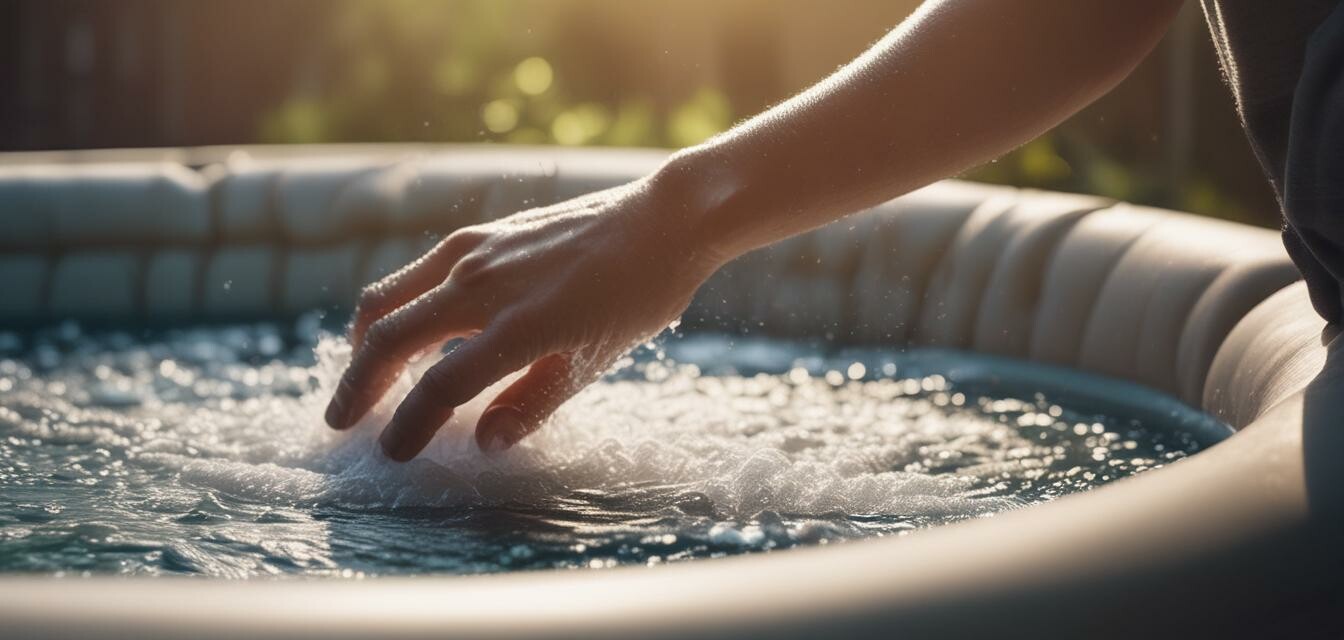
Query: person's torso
x,y
1261,45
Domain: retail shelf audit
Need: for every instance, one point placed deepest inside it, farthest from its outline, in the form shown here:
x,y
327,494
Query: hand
x,y
566,289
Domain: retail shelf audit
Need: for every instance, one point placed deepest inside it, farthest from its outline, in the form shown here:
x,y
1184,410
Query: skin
x,y
565,290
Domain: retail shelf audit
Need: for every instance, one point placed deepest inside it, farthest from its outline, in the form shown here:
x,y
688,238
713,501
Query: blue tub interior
x,y
202,451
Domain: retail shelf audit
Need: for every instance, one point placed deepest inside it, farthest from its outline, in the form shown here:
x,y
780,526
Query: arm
x,y
959,83
564,290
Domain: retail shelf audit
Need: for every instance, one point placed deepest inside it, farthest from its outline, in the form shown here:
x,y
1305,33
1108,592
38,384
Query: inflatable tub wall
x,y
1243,539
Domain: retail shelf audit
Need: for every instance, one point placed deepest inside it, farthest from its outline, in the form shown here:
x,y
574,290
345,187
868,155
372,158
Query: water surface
x,y
203,452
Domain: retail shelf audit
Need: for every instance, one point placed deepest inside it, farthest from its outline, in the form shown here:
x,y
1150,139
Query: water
x,y
203,452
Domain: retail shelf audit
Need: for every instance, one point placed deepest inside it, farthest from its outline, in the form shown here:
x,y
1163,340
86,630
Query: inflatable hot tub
x,y
1240,540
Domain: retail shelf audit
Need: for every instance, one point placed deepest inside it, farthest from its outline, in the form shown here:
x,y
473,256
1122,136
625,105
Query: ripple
x,y
203,452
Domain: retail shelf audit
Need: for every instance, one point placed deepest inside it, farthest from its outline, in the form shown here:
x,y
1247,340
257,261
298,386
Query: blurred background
x,y
134,73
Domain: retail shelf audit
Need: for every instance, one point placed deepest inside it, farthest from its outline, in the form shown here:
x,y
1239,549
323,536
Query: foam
x,y
221,430
697,436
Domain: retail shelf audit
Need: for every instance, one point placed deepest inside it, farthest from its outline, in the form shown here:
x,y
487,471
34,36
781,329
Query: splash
x,y
204,451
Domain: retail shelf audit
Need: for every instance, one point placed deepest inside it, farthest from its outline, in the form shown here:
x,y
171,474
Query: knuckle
x,y
471,269
466,237
438,379
511,327
536,334
370,299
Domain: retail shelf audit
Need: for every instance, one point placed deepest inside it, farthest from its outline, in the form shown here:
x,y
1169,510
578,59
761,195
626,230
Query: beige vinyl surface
x,y
1239,540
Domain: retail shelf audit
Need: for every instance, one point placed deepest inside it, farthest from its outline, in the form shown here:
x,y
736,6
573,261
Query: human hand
x,y
566,289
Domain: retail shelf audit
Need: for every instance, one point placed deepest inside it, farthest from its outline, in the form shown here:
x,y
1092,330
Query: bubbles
x,y
203,452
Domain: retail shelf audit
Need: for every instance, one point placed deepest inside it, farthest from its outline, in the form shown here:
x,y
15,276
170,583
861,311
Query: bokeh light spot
x,y
696,120
580,124
500,116
533,76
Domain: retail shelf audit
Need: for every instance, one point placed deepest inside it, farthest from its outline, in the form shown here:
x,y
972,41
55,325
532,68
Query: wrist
x,y
702,194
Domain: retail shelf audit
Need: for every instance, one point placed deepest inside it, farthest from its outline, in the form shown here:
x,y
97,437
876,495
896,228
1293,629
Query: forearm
x,y
959,83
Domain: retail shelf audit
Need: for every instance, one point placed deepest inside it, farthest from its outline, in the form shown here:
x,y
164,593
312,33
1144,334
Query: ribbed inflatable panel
x,y
1241,540
197,235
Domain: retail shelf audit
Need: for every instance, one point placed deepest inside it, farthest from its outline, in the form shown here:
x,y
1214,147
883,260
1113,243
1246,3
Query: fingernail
x,y
335,415
501,428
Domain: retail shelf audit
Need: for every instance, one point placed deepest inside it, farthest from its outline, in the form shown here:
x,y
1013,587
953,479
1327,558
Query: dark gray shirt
x,y
1284,61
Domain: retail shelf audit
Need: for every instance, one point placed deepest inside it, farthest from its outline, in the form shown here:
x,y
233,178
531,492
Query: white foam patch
x,y
744,444
804,447
206,452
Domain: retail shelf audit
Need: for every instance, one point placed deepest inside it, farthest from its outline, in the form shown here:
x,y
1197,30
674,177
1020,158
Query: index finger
x,y
407,283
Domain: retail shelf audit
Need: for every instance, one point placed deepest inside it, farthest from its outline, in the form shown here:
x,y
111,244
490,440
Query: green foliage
x,y
429,71
417,70
299,121
697,119
1058,161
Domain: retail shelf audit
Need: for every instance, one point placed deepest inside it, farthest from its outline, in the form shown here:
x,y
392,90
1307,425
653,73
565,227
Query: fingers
x,y
390,342
524,405
458,377
408,283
